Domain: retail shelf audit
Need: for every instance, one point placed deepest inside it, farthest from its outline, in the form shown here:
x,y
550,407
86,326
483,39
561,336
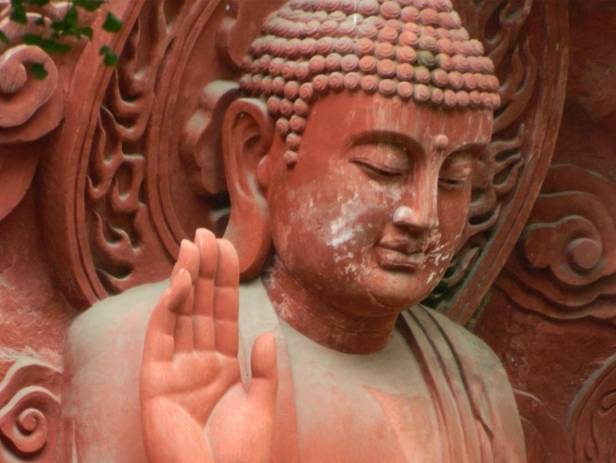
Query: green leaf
x,y
109,56
36,2
86,32
88,5
38,71
112,23
18,13
49,45
4,38
71,17
60,28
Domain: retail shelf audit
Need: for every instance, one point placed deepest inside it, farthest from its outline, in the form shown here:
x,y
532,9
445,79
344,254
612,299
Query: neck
x,y
318,319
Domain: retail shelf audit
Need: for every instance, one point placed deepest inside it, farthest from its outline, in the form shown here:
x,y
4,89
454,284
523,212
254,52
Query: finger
x,y
188,258
226,299
203,323
208,253
188,261
160,341
264,366
183,335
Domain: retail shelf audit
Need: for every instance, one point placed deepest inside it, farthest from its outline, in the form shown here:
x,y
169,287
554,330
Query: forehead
x,y
347,117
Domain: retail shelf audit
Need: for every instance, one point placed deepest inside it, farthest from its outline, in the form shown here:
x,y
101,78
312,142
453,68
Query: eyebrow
x,y
473,147
390,137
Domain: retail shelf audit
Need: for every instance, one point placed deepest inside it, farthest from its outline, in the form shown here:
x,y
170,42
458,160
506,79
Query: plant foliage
x,y
69,26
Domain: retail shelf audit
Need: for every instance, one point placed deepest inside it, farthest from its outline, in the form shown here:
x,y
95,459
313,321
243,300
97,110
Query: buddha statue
x,y
349,160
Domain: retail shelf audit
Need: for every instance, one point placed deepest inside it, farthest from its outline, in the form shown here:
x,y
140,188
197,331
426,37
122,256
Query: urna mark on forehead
x,y
413,50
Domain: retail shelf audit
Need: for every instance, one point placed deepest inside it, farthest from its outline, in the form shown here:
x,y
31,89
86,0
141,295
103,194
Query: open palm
x,y
195,407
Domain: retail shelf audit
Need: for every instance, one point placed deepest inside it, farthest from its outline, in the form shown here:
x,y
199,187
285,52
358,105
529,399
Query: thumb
x,y
264,365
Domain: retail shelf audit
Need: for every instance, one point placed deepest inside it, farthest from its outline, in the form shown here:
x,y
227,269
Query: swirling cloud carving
x,y
565,266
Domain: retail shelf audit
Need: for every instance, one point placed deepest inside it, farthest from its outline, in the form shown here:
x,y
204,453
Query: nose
x,y
415,218
419,211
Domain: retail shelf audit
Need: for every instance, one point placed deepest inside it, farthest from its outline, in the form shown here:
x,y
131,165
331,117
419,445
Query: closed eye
x,y
456,171
376,169
451,183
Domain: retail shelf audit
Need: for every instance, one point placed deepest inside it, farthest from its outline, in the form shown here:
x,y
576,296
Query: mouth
x,y
394,259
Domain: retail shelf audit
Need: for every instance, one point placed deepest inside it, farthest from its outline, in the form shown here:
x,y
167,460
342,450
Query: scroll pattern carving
x,y
544,434
123,227
575,276
21,108
593,417
29,412
29,108
202,144
26,99
201,147
499,25
240,26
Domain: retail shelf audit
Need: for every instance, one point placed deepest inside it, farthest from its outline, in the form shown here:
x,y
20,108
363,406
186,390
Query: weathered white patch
x,y
345,236
345,227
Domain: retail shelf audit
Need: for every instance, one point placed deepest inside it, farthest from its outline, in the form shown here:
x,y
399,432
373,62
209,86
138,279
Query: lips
x,y
400,255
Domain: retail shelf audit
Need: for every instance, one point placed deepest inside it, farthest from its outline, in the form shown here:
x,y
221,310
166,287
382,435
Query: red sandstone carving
x,y
543,432
551,312
382,209
113,226
575,276
395,55
191,367
30,414
29,108
510,165
593,416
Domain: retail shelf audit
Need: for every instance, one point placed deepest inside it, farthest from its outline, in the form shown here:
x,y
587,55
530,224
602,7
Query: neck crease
x,y
321,321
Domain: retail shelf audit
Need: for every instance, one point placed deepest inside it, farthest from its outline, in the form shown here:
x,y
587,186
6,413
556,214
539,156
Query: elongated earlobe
x,y
247,136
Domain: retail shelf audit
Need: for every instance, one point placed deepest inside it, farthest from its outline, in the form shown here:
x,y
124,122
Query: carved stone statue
x,y
349,159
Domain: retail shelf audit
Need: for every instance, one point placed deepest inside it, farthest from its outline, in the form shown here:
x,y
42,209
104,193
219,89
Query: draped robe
x,y
475,415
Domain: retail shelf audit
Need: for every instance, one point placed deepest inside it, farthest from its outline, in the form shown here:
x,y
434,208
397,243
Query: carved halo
x,y
592,416
145,170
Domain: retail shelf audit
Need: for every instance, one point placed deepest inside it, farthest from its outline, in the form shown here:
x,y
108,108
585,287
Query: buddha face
x,y
375,208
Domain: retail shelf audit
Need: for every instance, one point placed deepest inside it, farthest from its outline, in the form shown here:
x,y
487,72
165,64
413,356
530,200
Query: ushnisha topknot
x,y
412,49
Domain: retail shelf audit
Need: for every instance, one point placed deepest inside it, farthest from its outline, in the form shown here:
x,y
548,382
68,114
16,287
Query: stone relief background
x,y
105,171
551,312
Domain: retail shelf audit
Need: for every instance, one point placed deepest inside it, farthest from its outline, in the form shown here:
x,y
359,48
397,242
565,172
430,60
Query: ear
x,y
247,136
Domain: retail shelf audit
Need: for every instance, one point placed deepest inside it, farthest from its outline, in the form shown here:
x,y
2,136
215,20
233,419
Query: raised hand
x,y
195,407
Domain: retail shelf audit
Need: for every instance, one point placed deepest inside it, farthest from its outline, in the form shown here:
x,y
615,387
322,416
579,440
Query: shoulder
x,y
102,367
469,347
116,308
484,377
112,323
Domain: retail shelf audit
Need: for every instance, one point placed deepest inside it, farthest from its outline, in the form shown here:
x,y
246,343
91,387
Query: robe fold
x,y
470,395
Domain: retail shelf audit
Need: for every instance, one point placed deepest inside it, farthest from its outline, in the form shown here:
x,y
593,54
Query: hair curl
x,y
413,49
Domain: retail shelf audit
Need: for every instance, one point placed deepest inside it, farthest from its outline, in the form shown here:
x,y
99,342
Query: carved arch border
x,y
108,230
525,134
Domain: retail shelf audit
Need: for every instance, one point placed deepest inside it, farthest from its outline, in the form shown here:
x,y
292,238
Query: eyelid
x,y
458,158
386,156
452,176
464,170
385,137
377,167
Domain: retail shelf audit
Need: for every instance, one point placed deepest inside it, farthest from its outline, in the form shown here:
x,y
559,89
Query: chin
x,y
398,290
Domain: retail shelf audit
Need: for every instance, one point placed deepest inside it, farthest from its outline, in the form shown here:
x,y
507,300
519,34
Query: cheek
x,y
355,210
453,212
354,218
335,220
453,215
